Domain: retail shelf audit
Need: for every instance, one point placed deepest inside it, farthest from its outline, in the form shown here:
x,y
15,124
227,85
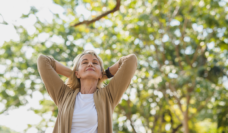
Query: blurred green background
x,y
181,82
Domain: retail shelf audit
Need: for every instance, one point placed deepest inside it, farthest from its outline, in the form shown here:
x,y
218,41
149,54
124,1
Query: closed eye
x,y
87,62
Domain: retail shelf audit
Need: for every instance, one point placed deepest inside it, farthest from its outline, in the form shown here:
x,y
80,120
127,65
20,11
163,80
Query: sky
x,y
11,10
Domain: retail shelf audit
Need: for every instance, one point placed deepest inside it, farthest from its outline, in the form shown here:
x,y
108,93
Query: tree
x,y
181,48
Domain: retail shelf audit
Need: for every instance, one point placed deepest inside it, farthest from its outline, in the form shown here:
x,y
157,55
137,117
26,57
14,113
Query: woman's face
x,y
89,68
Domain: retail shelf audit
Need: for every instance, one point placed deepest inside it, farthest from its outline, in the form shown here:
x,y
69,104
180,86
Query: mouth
x,y
89,70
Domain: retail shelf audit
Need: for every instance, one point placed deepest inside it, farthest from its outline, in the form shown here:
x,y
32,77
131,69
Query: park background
x,y
181,81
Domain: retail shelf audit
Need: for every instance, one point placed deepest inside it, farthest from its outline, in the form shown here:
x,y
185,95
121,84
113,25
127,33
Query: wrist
x,y
108,74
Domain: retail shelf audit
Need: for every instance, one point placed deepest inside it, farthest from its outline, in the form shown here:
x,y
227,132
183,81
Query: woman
x,y
84,105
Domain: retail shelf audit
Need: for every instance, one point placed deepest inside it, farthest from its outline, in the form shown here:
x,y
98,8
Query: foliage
x,y
182,60
4,129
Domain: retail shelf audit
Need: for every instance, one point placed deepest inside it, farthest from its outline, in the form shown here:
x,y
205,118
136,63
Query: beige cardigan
x,y
105,99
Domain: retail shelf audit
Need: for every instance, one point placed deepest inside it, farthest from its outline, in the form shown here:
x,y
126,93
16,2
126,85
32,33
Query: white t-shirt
x,y
85,114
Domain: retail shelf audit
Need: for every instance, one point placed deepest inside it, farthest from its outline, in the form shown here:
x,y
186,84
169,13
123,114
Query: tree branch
x,y
128,117
182,39
163,45
167,100
198,110
156,117
195,55
178,100
177,128
87,22
172,16
157,57
201,107
178,56
132,126
189,90
170,35
4,22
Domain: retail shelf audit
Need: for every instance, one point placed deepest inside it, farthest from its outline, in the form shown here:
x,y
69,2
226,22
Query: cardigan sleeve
x,y
121,80
52,81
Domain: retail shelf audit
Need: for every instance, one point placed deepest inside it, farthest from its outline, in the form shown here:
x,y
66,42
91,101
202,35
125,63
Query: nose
x,y
90,64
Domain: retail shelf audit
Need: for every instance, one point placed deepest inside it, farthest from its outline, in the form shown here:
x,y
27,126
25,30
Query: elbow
x,y
41,61
130,60
133,58
40,58
44,60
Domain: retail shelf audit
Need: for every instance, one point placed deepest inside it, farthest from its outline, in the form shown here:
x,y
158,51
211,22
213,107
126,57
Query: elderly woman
x,y
84,104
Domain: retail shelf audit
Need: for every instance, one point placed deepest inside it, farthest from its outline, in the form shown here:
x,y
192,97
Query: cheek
x,y
99,69
80,69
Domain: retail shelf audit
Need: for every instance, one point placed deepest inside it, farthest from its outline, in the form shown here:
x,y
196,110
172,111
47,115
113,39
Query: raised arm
x,y
123,72
47,67
62,70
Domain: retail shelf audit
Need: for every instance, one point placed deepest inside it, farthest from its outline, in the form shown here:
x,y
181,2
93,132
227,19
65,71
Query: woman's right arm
x,y
63,70
48,67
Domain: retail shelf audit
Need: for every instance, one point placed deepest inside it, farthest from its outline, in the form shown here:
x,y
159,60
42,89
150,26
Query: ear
x,y
76,74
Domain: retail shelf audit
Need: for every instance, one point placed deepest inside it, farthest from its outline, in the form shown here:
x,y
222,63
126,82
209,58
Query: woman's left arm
x,y
113,69
123,71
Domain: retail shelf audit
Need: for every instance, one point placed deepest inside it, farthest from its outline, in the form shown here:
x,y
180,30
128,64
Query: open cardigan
x,y
105,99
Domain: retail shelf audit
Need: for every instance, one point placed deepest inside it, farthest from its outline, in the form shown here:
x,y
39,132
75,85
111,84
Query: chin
x,y
91,76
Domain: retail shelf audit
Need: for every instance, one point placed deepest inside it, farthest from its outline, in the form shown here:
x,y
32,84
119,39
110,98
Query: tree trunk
x,y
185,122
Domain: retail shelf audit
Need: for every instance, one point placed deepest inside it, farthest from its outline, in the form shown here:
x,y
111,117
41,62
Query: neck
x,y
88,86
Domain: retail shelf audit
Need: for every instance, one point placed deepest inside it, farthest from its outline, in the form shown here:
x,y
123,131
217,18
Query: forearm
x,y
63,70
114,68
